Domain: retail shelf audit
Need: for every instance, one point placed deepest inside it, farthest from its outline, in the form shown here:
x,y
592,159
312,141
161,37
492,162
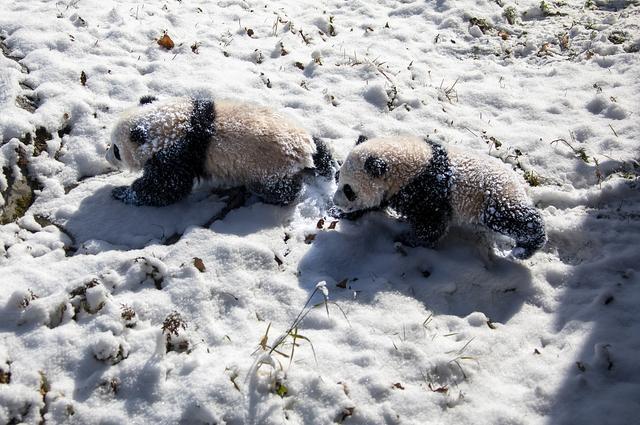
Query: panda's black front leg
x,y
165,180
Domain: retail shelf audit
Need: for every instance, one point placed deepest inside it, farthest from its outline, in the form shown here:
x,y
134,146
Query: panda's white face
x,y
377,169
144,129
363,181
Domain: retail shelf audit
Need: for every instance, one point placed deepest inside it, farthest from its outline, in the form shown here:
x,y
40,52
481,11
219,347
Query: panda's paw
x,y
521,253
124,194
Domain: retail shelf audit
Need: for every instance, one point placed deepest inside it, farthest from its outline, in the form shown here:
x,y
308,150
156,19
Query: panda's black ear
x,y
147,99
139,134
375,166
361,139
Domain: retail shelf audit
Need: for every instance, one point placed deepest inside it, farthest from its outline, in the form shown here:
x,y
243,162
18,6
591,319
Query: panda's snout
x,y
112,155
340,200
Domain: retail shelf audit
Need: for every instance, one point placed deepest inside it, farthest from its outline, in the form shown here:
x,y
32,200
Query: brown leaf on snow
x,y
443,389
83,78
332,225
398,385
309,238
545,50
320,223
199,264
166,42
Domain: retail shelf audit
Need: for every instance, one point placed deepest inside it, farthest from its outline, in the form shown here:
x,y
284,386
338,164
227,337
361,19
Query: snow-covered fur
x,y
433,186
231,143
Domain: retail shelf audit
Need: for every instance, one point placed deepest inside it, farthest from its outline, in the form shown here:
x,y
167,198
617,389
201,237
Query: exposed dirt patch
x,y
20,191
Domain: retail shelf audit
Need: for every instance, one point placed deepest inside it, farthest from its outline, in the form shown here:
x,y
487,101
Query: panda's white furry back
x,y
434,185
231,143
253,143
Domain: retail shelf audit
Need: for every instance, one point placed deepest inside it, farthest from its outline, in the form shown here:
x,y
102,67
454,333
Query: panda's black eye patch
x,y
361,139
139,135
116,152
349,193
375,166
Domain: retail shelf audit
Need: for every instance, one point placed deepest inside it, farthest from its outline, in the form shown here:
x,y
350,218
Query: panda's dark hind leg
x,y
279,190
521,222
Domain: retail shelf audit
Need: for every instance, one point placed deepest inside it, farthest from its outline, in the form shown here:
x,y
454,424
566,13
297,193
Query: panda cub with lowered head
x,y
178,140
433,186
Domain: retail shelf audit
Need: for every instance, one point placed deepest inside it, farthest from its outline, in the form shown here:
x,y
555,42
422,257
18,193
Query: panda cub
x,y
177,140
433,186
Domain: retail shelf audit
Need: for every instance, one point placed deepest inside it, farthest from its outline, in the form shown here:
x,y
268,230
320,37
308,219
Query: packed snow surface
x,y
209,311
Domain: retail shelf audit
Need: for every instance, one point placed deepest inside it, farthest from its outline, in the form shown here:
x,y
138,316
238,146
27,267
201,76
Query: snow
x,y
453,335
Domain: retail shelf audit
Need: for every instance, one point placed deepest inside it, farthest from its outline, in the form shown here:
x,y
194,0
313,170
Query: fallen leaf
x,y
281,390
320,223
309,238
166,41
443,390
299,65
199,264
83,78
398,385
332,225
250,32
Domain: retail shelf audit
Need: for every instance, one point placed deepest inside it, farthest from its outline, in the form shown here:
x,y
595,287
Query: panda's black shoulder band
x,y
426,200
202,118
201,129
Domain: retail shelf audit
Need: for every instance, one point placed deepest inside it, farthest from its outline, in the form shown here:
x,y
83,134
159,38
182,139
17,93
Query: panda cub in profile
x,y
433,186
177,140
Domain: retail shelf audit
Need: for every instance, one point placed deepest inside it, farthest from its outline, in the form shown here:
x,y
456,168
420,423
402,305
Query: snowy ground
x,y
107,317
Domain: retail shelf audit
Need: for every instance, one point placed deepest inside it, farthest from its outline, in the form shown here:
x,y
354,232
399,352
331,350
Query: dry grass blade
x,y
296,335
265,338
450,92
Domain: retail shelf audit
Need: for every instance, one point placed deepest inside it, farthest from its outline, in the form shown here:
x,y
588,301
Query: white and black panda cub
x,y
177,140
433,186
